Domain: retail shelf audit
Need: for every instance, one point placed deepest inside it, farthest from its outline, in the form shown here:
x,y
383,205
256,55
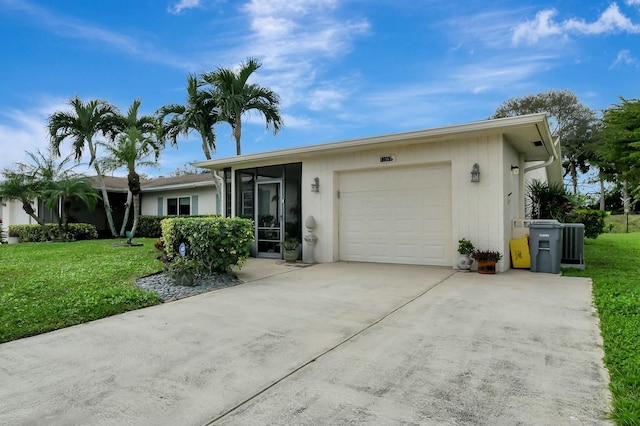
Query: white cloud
x,y
542,26
612,20
182,5
295,39
633,2
625,58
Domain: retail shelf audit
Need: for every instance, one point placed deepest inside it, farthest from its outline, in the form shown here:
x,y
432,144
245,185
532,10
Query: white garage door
x,y
396,215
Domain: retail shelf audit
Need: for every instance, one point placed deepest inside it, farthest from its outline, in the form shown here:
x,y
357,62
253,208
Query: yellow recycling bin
x,y
520,257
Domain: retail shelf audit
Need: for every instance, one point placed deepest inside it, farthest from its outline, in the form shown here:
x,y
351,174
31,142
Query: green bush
x,y
35,233
593,221
217,242
150,226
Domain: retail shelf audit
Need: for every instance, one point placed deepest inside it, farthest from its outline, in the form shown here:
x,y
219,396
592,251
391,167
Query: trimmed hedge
x,y
35,233
593,221
150,226
217,242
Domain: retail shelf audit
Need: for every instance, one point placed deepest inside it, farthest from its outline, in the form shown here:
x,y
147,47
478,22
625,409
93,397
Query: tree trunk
x,y
574,178
237,132
28,209
602,203
136,214
105,200
126,214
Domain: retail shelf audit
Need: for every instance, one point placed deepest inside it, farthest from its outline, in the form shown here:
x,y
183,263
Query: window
x,y
179,206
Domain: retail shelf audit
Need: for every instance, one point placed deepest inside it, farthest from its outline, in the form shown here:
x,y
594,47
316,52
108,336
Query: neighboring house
x,y
183,195
403,198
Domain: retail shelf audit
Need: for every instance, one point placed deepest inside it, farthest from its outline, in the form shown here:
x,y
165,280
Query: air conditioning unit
x,y
572,245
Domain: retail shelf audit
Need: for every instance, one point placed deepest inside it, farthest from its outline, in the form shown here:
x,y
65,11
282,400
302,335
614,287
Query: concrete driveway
x,y
339,343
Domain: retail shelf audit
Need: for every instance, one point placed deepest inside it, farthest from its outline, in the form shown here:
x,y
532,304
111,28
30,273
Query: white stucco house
x,y
402,198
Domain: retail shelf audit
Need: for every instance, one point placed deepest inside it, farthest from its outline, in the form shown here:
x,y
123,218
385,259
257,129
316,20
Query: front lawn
x,y
612,262
47,286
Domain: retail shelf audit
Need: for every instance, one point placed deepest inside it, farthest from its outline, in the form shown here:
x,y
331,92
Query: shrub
x,y
216,241
35,233
150,226
593,221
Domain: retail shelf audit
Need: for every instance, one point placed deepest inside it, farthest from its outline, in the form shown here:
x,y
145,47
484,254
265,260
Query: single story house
x,y
181,195
402,198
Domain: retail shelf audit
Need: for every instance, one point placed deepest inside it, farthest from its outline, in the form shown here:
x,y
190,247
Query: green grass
x,y
619,223
47,286
612,262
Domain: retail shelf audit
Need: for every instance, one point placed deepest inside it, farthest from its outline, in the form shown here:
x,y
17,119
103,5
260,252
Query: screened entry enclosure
x,y
271,197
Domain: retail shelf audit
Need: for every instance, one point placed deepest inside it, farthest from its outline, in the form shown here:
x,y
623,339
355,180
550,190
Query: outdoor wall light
x,y
515,170
475,173
315,185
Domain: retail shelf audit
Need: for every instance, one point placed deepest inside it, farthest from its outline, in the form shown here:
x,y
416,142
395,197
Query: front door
x,y
269,219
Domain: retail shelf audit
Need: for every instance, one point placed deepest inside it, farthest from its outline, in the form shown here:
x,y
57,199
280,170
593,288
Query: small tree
x,y
547,201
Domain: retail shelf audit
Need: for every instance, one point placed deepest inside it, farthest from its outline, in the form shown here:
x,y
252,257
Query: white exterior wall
x,y
474,205
12,213
206,200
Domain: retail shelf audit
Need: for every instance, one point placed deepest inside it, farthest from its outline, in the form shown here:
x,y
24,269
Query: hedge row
x,y
150,226
217,242
35,233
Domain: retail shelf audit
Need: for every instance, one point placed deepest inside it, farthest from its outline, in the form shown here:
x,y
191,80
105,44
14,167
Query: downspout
x,y
219,182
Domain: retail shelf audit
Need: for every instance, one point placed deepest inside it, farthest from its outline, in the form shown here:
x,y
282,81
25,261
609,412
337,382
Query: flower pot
x,y
290,256
184,278
464,262
486,266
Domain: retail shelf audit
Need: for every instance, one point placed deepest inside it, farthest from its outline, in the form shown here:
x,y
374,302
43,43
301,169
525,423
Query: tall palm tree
x,y
81,126
130,148
235,97
200,113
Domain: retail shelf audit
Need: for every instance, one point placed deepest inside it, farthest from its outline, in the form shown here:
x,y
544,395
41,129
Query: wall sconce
x,y
315,185
515,170
475,173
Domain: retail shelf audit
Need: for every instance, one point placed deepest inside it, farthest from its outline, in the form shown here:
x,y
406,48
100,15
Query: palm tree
x,y
129,148
200,114
235,97
21,187
64,192
81,125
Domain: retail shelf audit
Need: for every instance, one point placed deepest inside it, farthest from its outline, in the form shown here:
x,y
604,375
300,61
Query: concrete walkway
x,y
328,344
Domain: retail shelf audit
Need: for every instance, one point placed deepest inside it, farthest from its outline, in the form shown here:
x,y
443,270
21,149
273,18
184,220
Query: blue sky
x,y
343,68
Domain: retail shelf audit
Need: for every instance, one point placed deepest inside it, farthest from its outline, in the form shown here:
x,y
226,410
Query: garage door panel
x,y
396,215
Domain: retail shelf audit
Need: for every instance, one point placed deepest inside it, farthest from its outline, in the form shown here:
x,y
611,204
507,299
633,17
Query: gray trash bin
x,y
545,246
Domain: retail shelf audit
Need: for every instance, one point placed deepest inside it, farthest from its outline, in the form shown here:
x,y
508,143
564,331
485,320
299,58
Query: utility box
x,y
545,244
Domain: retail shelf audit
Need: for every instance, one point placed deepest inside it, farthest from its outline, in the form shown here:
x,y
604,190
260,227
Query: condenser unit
x,y
572,245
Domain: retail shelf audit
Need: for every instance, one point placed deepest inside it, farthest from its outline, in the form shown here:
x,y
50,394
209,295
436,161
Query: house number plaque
x,y
387,158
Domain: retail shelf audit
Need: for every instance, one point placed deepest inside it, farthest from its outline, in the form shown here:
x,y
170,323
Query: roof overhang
x,y
528,134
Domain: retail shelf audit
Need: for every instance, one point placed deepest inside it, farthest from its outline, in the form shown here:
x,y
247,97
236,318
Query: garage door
x,y
396,215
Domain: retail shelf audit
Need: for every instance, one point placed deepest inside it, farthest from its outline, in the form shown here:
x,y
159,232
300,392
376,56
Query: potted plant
x,y
487,260
290,249
465,248
183,270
